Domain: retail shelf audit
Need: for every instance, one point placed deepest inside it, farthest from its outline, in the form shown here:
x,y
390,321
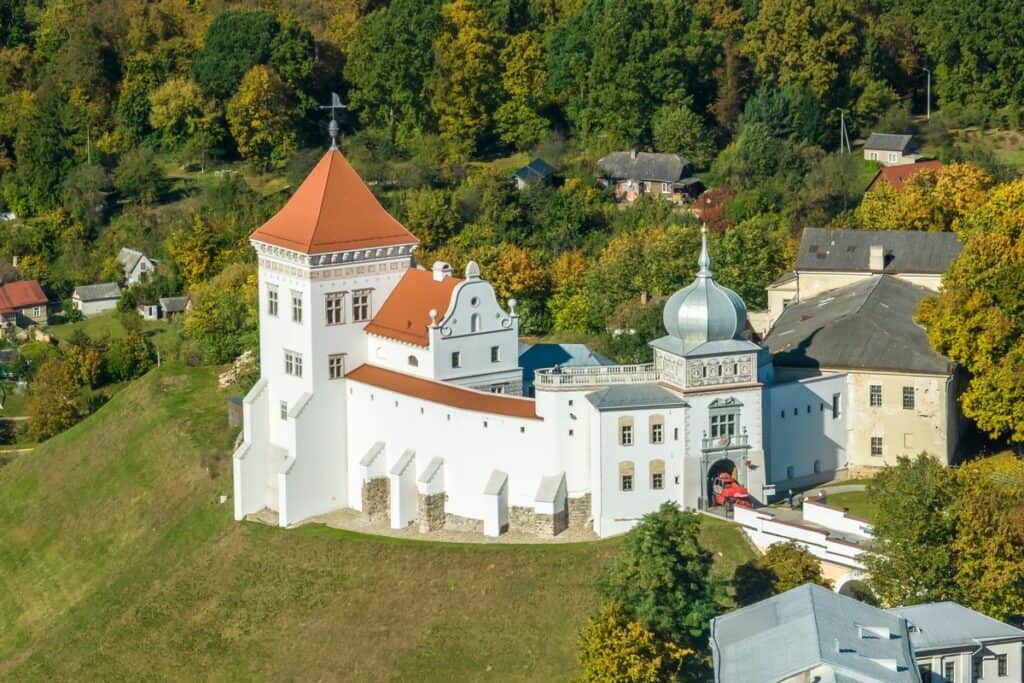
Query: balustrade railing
x,y
595,375
712,443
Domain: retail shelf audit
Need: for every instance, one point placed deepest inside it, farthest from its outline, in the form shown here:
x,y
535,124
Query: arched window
x,y
657,423
414,362
626,472
625,431
657,474
474,322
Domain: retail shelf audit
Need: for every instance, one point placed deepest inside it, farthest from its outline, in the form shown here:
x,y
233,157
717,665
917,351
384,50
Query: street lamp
x,y
928,95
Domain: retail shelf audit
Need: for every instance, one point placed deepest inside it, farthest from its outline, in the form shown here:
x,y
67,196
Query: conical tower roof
x,y
333,210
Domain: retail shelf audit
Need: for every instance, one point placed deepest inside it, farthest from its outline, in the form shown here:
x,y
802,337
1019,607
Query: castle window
x,y
876,446
625,431
675,433
456,359
908,398
474,322
1001,665
293,364
361,305
284,410
296,307
657,474
414,362
626,472
817,467
336,365
723,424
875,395
495,354
835,406
334,303
657,423
272,301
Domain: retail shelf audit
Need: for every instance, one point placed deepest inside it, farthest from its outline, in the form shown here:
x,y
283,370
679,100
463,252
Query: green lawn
x,y
857,504
118,562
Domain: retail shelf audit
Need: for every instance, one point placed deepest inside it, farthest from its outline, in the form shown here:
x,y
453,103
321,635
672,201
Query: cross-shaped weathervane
x,y
332,128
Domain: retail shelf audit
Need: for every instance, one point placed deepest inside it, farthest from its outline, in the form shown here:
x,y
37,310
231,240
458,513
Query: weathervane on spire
x,y
332,128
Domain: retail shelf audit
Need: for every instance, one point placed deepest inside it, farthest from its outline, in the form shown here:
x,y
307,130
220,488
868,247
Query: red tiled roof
x,y
21,294
898,175
333,210
405,315
445,394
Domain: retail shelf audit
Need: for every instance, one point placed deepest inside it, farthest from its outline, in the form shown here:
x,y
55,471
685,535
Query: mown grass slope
x,y
117,561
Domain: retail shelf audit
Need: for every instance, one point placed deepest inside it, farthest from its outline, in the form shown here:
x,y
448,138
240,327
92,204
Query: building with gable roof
x,y
137,266
396,391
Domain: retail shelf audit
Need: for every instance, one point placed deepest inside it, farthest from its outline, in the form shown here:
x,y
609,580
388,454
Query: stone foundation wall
x,y
460,523
377,500
430,511
526,520
861,472
579,512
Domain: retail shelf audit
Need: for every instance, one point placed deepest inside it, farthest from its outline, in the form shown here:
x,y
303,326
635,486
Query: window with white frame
x,y
36,311
284,410
875,395
626,473
908,398
723,424
876,446
296,307
361,305
872,156
949,671
293,363
334,305
657,474
272,301
657,430
495,354
893,157
625,431
666,188
336,365
1001,665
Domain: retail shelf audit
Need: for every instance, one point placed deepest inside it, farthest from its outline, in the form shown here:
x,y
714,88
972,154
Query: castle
x,y
396,391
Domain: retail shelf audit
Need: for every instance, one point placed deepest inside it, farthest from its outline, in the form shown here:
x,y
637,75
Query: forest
x,y
176,127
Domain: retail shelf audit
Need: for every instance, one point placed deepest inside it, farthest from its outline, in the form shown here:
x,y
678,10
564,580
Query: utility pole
x,y
928,95
844,138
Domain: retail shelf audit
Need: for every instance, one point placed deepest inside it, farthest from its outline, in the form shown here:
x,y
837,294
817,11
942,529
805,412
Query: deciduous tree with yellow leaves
x,y
615,648
260,117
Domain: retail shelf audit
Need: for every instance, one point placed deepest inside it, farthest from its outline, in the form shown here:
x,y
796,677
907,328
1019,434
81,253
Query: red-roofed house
x,y
897,176
23,303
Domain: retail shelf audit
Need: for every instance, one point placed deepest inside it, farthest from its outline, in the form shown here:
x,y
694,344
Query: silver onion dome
x,y
704,310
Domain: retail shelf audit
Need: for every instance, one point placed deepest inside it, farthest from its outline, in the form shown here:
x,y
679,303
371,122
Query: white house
x,y
137,266
93,299
890,149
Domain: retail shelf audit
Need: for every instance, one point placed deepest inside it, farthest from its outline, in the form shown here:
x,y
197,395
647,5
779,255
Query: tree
x,y
85,358
663,578
260,118
53,406
928,201
223,320
181,116
194,251
977,319
990,535
517,120
44,153
912,559
790,113
85,196
749,255
464,92
782,567
129,357
138,175
235,42
614,647
678,130
430,216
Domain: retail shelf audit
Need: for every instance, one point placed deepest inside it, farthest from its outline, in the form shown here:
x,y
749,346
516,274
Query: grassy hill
x,y
117,561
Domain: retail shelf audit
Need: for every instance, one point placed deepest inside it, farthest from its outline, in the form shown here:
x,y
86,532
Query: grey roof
x,y
634,397
408,458
664,168
98,292
811,627
867,325
906,251
549,488
495,483
128,258
711,348
174,304
888,142
788,276
538,169
942,625
371,455
431,470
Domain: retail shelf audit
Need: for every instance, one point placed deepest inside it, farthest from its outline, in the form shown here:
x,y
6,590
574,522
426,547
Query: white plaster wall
x,y
567,419
835,518
962,661
812,283
394,355
313,480
800,438
89,308
621,510
472,444
251,460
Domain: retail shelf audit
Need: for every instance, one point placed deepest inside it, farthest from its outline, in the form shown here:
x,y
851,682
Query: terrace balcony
x,y
724,443
595,376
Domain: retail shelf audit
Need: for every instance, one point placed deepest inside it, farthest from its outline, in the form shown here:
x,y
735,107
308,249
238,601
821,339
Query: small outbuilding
x,y
173,306
536,172
97,298
890,149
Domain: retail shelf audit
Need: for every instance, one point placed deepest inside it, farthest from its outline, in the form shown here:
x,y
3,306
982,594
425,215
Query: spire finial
x,y
705,260
332,127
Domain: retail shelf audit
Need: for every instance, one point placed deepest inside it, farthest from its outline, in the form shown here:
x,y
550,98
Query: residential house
x,y
149,311
902,394
93,299
896,176
810,634
137,266
533,357
953,643
890,149
634,174
23,303
537,171
173,306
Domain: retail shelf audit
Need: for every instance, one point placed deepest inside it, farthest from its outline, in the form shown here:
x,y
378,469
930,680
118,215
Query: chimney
x,y
876,261
633,152
441,270
14,261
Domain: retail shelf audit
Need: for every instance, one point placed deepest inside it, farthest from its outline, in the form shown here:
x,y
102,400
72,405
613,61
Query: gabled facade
x,y
137,266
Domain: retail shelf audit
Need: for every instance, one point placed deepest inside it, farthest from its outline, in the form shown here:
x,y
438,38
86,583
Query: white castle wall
x,y
801,437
